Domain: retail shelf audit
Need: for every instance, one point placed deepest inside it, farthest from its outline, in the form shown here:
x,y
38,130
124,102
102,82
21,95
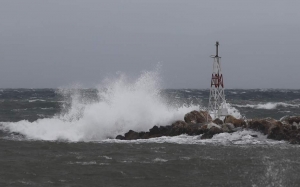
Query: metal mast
x,y
217,102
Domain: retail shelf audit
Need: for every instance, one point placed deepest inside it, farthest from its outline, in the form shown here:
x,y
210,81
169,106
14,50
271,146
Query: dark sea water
x,y
64,137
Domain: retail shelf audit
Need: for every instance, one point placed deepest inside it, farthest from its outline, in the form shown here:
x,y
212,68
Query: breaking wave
x,y
122,105
268,105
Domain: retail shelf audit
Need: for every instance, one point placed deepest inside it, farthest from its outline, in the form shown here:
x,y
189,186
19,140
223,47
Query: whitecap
x,y
268,106
160,160
35,100
107,157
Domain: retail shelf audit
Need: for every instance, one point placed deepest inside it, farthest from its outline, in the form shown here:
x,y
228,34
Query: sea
x,y
66,137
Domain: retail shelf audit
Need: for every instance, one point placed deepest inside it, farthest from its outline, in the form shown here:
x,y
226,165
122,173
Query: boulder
x,y
292,133
144,135
236,122
291,120
131,135
204,128
218,121
206,115
272,128
120,137
211,132
295,138
165,130
228,127
261,125
210,125
161,131
276,132
294,126
154,131
178,127
179,124
197,117
196,129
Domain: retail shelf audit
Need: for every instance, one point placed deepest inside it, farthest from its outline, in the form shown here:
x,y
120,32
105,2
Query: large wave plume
x,y
122,105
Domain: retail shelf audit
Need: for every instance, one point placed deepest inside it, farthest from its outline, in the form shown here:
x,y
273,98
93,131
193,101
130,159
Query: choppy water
x,y
33,104
39,163
64,137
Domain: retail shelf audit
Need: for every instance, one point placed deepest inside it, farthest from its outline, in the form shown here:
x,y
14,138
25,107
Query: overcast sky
x,y
48,44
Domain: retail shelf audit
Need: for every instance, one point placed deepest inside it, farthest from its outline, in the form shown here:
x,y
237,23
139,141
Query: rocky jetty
x,y
200,122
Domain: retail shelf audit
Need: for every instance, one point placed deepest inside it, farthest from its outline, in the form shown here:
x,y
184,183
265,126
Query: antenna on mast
x,y
217,102
217,48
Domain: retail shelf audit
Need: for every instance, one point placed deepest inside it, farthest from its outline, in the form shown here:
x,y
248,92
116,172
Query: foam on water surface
x,y
269,105
243,137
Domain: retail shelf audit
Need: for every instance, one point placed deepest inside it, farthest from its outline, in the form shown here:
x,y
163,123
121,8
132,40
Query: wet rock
x,y
204,128
195,123
276,132
194,117
165,130
236,122
228,127
225,128
291,120
211,132
120,137
295,126
179,124
197,117
272,128
178,127
215,130
253,135
292,134
218,121
206,136
144,135
131,135
295,139
210,125
261,125
154,131
206,115
196,129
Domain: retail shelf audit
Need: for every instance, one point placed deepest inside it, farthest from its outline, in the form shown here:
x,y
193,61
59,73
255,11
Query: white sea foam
x,y
123,106
269,105
243,137
160,160
88,163
185,158
36,100
107,157
231,111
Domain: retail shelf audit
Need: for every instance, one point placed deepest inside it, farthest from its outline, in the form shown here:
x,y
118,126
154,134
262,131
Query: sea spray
x,y
231,111
122,105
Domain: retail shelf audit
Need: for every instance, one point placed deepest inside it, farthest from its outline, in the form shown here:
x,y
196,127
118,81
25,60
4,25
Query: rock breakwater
x,y
201,123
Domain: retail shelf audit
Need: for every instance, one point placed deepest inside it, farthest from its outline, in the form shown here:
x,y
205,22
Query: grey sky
x,y
57,43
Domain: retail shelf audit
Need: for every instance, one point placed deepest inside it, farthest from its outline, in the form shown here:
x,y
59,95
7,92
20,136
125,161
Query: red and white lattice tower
x,y
217,102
